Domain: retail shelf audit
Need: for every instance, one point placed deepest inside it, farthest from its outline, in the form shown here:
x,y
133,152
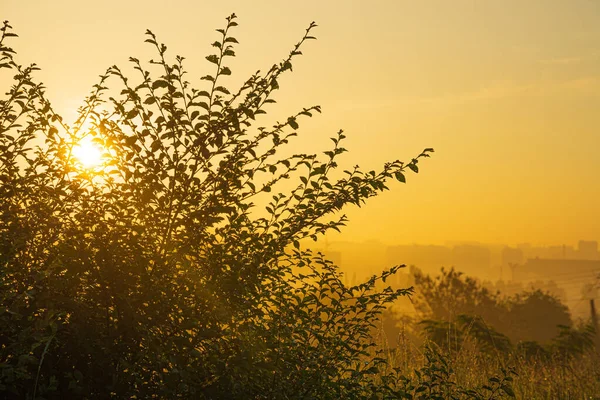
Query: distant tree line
x,y
453,308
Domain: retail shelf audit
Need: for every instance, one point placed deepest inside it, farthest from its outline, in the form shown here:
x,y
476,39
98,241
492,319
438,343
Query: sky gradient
x,y
507,92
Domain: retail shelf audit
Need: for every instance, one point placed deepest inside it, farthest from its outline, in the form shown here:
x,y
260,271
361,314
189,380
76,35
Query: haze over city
x,y
506,92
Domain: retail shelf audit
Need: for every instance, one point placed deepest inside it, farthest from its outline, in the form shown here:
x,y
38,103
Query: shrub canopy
x,y
153,274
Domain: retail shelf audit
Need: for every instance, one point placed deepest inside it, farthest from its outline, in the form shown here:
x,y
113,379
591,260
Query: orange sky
x,y
507,92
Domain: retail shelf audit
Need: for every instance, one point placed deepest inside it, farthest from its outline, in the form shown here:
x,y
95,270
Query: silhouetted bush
x,y
535,315
528,316
574,341
156,274
452,293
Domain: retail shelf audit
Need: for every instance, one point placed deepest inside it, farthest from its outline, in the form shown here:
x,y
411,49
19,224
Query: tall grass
x,y
535,378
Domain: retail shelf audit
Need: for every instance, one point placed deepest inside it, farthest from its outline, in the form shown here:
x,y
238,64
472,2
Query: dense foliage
x,y
474,333
533,315
457,312
153,275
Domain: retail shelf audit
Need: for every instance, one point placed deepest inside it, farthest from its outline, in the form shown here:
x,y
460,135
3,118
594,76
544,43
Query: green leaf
x,y
508,390
155,146
159,84
132,114
292,122
213,58
222,89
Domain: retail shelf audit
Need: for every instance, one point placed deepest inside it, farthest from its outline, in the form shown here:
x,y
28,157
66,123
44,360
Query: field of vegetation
x,y
471,333
556,377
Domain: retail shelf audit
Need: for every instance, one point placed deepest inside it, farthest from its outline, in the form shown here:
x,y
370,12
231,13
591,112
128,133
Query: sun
x,y
88,153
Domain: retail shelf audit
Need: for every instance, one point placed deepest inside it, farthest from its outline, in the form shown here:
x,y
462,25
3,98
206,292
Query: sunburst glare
x,y
88,153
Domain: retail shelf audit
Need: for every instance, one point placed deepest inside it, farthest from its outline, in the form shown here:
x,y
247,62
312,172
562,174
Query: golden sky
x,y
506,91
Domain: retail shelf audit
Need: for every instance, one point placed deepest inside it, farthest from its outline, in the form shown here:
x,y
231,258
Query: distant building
x,y
361,258
585,250
512,256
549,269
588,250
563,252
474,260
428,258
471,259
569,273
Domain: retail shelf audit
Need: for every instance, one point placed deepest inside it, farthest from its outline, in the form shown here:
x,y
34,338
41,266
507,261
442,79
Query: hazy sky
x,y
507,92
